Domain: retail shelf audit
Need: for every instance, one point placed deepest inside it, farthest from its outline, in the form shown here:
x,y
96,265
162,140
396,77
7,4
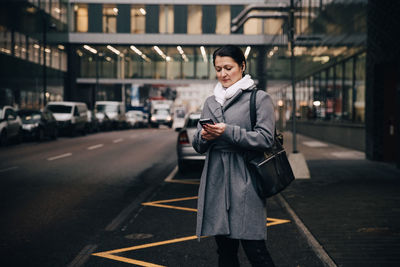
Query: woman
x,y
228,206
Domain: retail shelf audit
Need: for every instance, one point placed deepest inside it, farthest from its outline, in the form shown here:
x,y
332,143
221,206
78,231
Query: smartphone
x,y
206,121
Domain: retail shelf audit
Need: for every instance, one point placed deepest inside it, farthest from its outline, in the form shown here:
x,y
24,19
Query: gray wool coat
x,y
228,204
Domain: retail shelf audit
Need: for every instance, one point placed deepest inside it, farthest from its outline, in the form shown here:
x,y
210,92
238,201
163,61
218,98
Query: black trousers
x,y
256,251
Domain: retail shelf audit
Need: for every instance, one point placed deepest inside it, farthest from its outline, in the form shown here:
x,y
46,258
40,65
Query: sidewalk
x,y
350,204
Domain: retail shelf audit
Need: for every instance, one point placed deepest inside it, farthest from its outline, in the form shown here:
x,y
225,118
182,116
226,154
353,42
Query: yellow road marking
x,y
110,254
126,260
157,204
276,221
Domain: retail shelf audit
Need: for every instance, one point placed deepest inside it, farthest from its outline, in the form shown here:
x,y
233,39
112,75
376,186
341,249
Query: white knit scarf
x,y
222,94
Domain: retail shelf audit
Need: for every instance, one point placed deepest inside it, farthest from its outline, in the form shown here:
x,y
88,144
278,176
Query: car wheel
x,y
3,138
54,136
40,135
19,137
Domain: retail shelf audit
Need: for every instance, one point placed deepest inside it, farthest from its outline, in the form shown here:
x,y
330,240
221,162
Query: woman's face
x,y
228,71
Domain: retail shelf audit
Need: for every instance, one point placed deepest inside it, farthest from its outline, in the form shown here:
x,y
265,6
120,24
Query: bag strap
x,y
253,114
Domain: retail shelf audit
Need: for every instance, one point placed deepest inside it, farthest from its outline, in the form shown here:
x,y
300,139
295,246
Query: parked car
x,y
71,116
38,125
114,110
135,118
186,153
179,118
10,125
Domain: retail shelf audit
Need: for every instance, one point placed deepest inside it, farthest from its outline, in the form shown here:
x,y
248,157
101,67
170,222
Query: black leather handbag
x,y
270,170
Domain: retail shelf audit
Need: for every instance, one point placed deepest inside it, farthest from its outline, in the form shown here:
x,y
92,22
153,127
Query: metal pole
x,y
96,87
44,59
292,70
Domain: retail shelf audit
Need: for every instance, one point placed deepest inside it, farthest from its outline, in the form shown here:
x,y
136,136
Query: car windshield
x,y
106,108
180,113
29,116
59,108
162,111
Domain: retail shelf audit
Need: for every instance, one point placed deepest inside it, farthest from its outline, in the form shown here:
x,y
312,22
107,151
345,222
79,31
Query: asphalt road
x,y
57,196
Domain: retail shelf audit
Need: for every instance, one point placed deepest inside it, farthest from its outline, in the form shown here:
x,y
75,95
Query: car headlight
x,y
153,119
169,118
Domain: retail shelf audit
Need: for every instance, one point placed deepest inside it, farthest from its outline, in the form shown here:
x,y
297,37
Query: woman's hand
x,y
212,131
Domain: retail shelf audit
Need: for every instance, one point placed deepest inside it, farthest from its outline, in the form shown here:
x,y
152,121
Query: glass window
x,y
202,62
81,18
339,90
348,90
63,64
110,13
166,20
48,56
55,60
138,19
359,104
175,65
5,40
188,65
223,20
16,44
55,9
195,15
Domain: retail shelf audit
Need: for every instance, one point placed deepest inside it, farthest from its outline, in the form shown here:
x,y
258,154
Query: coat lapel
x,y
216,110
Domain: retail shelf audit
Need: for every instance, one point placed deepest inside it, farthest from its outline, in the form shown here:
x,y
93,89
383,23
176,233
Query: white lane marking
x,y
314,144
95,146
60,156
311,240
9,169
118,140
349,155
171,175
83,256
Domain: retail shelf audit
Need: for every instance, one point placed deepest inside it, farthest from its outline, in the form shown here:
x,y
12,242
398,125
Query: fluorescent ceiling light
x,y
180,50
91,49
203,53
160,52
137,51
115,10
142,11
109,47
247,52
61,47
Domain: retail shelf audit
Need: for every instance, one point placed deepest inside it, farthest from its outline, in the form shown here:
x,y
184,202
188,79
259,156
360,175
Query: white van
x,y
71,116
114,110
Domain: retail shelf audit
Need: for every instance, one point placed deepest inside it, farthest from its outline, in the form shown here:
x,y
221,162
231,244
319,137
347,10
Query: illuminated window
x,y
223,20
82,19
166,19
138,19
195,15
110,13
